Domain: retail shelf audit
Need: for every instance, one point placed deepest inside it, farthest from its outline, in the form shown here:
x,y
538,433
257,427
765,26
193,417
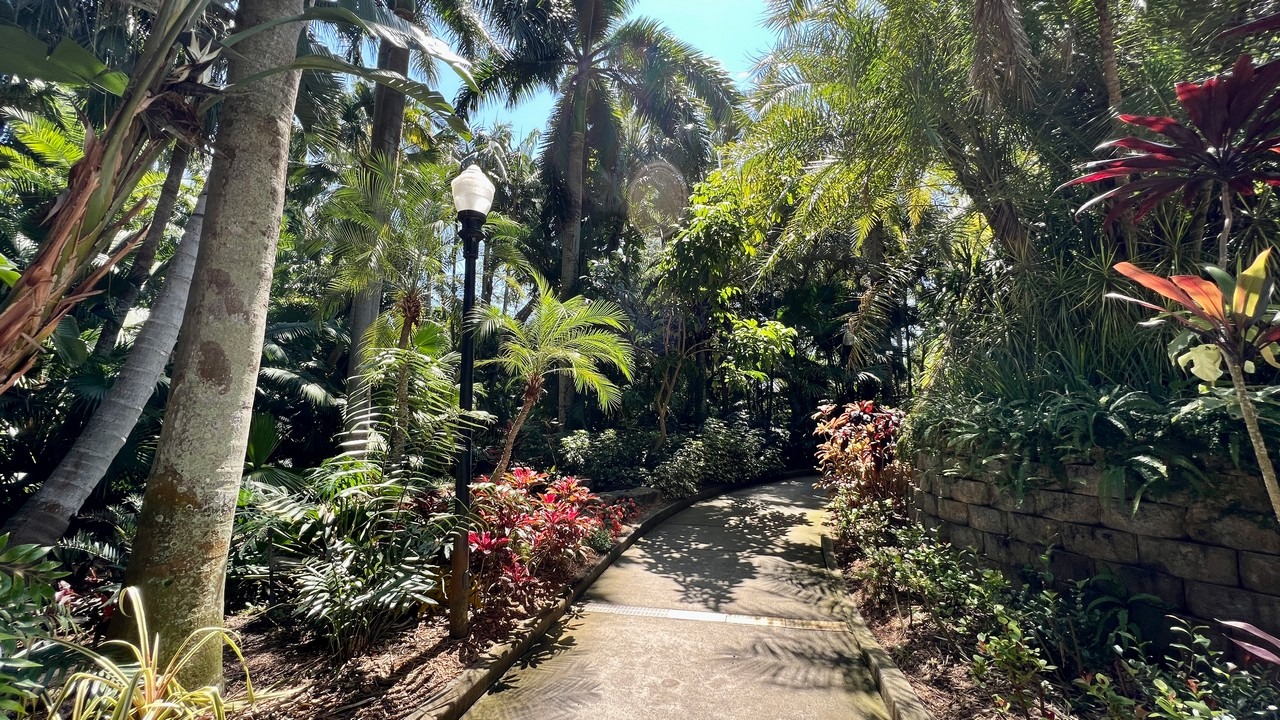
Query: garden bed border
x,y
454,700
895,689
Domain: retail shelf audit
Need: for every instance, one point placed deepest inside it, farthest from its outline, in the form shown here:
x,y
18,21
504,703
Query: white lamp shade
x,y
472,191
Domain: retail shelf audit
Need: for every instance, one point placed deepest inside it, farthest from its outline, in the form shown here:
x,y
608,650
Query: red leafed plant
x,y
1229,146
1261,646
532,534
1227,321
859,451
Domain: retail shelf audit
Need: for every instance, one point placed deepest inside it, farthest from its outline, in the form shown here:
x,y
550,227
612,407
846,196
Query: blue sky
x,y
728,30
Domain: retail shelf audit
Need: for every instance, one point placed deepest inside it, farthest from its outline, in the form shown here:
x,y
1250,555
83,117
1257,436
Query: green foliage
x,y
613,458
343,552
1143,446
722,453
28,613
143,686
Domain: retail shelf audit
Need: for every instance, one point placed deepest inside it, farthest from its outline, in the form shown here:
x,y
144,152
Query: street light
x,y
472,197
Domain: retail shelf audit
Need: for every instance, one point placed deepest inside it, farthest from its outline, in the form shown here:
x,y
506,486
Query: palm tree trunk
x,y
366,305
145,256
490,266
1228,219
184,530
1107,41
531,393
1250,414
46,515
402,392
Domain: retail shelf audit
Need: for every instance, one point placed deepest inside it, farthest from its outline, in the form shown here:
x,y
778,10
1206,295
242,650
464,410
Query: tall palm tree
x,y
184,528
574,339
386,225
597,63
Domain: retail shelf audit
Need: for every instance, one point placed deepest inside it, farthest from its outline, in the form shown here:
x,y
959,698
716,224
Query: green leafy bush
x,y
29,614
345,552
613,459
722,453
1143,445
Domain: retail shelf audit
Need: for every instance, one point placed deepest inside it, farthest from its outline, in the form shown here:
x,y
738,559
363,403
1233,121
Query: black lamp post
x,y
472,197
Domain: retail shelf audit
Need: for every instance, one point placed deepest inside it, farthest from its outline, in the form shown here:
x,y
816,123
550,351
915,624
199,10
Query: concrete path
x,y
724,612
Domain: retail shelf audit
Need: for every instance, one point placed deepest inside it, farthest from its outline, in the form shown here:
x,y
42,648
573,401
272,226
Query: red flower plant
x,y
1230,144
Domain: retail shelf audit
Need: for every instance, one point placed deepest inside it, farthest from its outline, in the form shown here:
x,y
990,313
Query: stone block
x,y
930,522
1152,519
925,480
952,511
1190,560
1034,530
1207,600
927,503
1236,489
1067,507
962,536
1100,543
926,460
988,519
1256,532
1009,552
1068,566
1004,499
1260,572
1084,479
1145,580
970,492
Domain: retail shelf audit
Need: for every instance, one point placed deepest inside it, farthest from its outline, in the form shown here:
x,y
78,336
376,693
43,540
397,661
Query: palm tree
x,y
597,63
573,339
184,528
386,225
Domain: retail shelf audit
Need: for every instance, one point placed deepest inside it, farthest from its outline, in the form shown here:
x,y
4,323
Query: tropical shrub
x,y
1141,445
29,613
345,553
858,452
144,687
532,532
1227,321
613,458
722,453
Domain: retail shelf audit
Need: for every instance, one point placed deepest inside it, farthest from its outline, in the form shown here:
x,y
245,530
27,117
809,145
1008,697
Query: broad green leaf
x,y
69,64
9,273
424,94
67,342
1204,361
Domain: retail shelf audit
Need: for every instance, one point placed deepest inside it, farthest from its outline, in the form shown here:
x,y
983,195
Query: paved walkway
x,y
724,612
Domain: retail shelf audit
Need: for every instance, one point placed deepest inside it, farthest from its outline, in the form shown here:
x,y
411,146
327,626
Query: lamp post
x,y
472,197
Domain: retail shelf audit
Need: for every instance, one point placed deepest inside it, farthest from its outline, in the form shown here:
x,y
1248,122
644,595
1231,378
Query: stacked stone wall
x,y
1210,555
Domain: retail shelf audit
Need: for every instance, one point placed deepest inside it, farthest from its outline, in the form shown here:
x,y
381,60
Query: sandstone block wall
x,y
1214,557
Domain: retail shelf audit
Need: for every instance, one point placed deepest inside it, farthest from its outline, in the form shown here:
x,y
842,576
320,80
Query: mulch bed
x,y
389,681
939,675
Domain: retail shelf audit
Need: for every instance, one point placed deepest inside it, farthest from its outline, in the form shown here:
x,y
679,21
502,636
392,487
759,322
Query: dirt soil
x,y
388,682
940,676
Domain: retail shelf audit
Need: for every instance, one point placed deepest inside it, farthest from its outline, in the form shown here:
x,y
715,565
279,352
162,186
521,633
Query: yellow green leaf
x,y
1249,287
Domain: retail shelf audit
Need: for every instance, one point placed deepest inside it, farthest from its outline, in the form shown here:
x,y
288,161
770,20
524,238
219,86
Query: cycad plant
x,y
576,339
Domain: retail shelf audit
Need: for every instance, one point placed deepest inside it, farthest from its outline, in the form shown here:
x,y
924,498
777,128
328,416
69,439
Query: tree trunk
x,y
1107,42
388,126
45,517
401,433
490,267
145,256
1250,414
1228,218
531,393
184,530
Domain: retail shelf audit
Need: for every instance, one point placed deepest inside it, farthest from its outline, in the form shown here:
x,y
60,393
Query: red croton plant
x,y
1228,147
1226,321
